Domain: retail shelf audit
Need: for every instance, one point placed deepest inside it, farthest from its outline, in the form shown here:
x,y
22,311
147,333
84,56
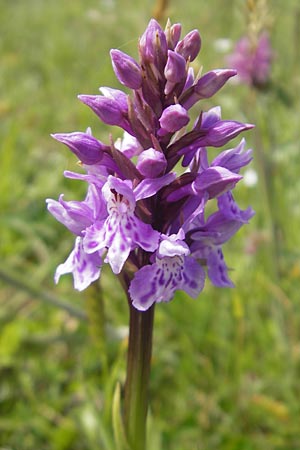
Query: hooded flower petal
x,y
215,181
74,215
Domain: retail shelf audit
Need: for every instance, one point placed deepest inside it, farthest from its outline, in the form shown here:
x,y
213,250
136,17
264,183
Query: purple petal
x,y
150,186
234,159
143,289
85,268
207,86
87,148
216,231
223,131
159,282
174,118
175,68
126,69
215,181
95,237
108,110
119,247
115,94
189,46
194,277
217,269
151,163
126,235
230,209
76,216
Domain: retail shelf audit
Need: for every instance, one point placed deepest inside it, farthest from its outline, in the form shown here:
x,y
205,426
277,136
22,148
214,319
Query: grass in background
x,y
226,367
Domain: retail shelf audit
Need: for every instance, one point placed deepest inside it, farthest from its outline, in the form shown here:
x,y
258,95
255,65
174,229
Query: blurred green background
x,y
226,367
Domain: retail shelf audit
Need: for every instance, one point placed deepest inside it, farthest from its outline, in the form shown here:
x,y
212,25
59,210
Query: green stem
x,y
265,169
138,373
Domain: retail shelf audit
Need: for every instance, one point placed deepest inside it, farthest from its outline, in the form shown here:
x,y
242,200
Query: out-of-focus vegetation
x,y
226,367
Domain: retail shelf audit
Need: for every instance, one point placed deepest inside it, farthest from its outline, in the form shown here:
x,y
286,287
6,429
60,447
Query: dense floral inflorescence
x,y
252,59
148,221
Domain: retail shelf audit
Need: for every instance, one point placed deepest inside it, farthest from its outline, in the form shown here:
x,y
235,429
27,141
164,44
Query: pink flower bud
x,y
189,46
175,67
107,110
153,45
173,118
151,163
173,34
126,69
87,148
206,86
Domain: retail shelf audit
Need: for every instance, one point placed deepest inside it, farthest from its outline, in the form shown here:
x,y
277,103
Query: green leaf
x,y
118,426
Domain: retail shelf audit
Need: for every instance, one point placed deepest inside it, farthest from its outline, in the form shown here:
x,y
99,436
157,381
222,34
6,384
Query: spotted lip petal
x,y
158,282
84,267
172,270
122,231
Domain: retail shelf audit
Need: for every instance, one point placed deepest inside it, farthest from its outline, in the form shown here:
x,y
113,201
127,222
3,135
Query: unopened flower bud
x,y
173,34
175,71
206,86
153,45
151,163
189,46
173,118
190,78
87,148
117,95
175,67
107,109
126,69
212,82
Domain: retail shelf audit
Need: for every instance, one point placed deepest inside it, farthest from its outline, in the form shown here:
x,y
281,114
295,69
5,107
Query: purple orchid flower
x,y
139,215
172,270
252,60
122,231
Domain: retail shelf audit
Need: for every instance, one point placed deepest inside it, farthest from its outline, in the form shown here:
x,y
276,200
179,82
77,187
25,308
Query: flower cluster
x,y
145,212
252,60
